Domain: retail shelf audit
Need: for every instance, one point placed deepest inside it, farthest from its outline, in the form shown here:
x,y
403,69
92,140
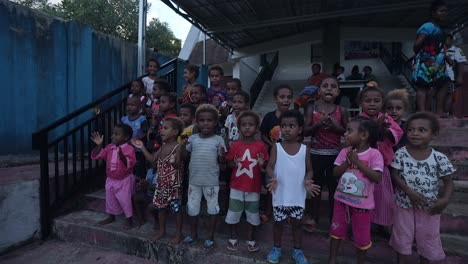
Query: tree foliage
x,y
114,17
160,36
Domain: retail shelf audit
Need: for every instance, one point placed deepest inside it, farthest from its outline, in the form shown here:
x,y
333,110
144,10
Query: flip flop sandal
x,y
232,244
209,245
252,246
188,241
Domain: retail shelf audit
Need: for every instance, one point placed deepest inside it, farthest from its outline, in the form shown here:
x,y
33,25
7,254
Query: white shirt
x,y
290,172
456,54
421,176
148,82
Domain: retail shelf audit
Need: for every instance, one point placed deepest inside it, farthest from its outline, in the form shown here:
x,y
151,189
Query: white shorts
x,y
240,202
195,193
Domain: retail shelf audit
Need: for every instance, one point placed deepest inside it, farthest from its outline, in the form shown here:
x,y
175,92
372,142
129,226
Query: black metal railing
x,y
265,74
397,63
66,168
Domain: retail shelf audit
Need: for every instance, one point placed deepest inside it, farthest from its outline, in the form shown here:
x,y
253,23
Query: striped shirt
x,y
203,166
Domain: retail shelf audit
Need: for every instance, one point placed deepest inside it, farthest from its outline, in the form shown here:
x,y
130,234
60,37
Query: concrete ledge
x,y
81,227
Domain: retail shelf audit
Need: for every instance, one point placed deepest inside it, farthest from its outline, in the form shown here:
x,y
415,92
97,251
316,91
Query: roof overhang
x,y
240,23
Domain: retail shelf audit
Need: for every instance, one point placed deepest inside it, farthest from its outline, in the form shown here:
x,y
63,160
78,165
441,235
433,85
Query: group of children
x,y
379,174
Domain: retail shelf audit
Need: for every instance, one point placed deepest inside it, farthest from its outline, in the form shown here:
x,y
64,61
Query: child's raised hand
x,y
137,143
417,199
260,159
312,188
352,156
382,121
438,206
97,138
273,184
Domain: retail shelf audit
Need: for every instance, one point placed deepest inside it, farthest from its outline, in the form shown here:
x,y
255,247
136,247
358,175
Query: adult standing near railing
x,y
429,62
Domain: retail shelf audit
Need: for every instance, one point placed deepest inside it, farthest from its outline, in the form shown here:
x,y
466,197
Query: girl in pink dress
x,y
371,101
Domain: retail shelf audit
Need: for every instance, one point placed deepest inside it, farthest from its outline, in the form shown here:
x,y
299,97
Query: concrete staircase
x,y
80,226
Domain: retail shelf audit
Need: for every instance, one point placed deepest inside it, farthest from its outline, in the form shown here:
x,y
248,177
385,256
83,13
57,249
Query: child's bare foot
x,y
178,237
159,235
108,220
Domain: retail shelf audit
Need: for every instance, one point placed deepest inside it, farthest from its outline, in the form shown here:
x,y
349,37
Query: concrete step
x,y
454,219
39,252
81,227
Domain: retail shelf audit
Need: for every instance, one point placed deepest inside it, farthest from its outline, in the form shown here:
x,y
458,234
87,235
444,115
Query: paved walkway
x,y
57,252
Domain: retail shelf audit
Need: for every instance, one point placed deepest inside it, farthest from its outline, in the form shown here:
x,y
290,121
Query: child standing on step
x,y
137,121
198,94
290,177
167,108
247,157
120,160
396,105
190,77
152,67
359,167
240,103
168,191
216,75
137,89
326,126
207,152
371,100
416,171
271,133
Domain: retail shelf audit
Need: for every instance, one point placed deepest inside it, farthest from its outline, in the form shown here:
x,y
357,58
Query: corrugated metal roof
x,y
240,23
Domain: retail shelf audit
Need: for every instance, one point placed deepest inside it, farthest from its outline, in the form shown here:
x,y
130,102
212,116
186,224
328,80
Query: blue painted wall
x,y
50,67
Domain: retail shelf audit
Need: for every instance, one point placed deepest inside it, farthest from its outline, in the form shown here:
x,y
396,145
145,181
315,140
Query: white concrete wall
x,y
189,43
294,62
19,212
247,69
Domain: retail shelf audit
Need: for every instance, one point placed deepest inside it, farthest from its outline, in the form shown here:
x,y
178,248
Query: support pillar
x,y
331,47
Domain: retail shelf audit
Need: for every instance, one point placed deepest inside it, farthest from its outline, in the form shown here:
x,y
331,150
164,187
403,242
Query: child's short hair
x,y
330,77
435,126
436,4
201,87
163,86
236,81
140,82
368,125
176,123
282,86
193,69
191,107
127,130
369,89
397,94
207,108
216,68
134,98
248,113
153,60
172,97
244,95
293,114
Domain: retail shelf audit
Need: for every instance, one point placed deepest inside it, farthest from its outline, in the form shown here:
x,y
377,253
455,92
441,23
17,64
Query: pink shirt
x,y
115,168
386,146
354,188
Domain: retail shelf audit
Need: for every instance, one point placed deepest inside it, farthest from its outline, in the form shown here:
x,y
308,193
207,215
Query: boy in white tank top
x,y
290,173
